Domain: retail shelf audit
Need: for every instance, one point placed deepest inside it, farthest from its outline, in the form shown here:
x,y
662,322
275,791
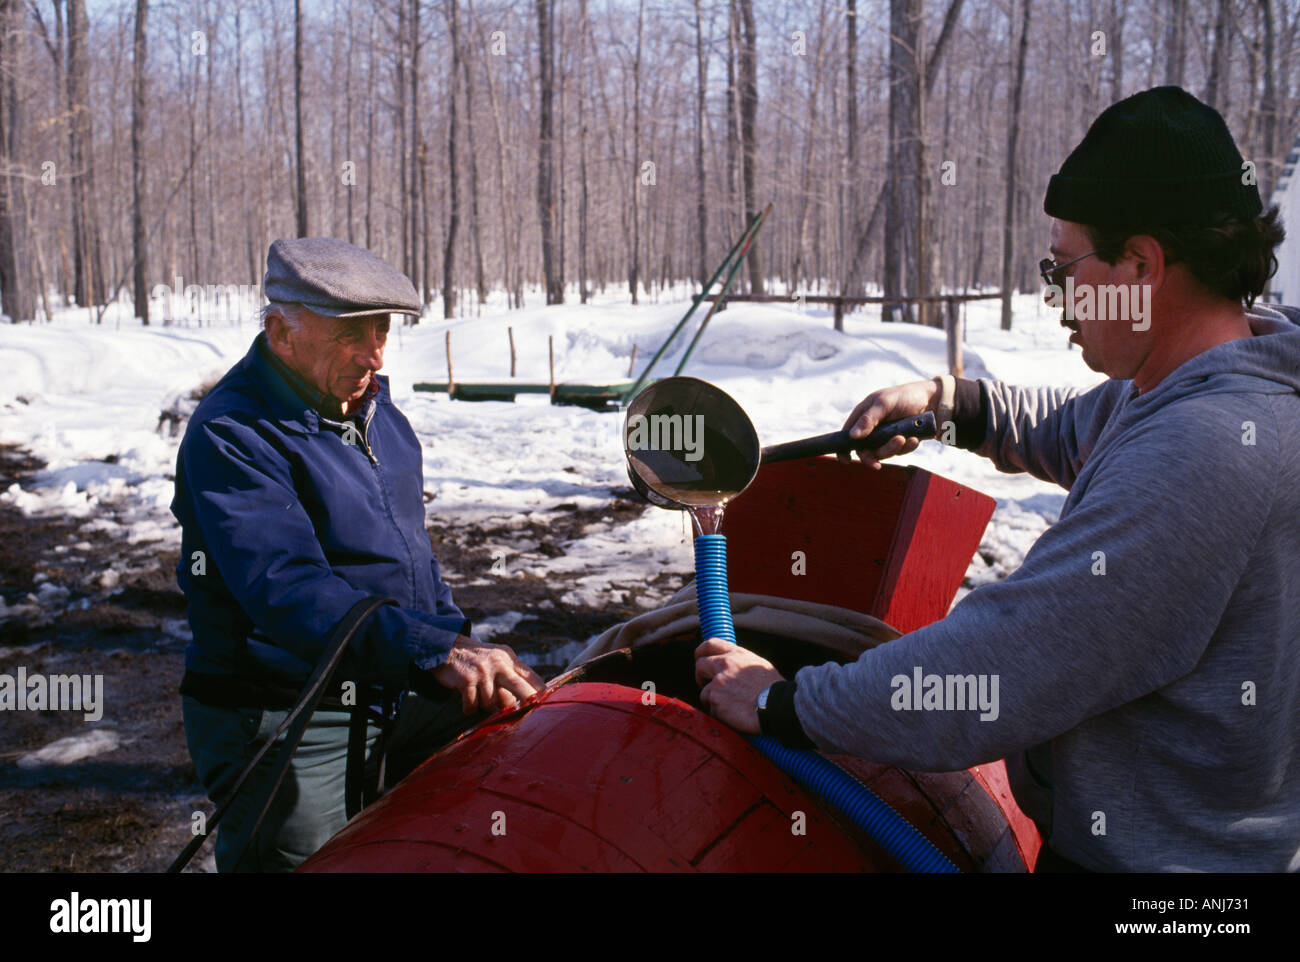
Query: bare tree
x,y
851,228
545,153
139,245
903,204
1268,104
1013,137
701,105
584,41
15,289
419,273
300,152
85,228
1218,77
476,225
748,131
1175,41
634,255
453,197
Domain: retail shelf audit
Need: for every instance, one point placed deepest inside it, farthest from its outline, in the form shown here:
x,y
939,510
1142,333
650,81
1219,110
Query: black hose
x,y
299,717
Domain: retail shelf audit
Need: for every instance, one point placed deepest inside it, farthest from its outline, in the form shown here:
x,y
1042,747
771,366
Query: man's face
x,y
1110,345
334,355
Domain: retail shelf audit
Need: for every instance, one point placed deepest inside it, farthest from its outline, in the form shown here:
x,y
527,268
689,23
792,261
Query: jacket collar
x,y
292,401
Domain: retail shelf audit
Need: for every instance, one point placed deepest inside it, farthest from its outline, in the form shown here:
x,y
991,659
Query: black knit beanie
x,y
1159,158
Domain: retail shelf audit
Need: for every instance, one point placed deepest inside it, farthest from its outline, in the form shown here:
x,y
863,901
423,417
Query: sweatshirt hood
x,y
1270,359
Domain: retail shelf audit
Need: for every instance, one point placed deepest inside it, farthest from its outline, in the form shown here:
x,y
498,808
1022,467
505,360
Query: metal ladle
x,y
712,451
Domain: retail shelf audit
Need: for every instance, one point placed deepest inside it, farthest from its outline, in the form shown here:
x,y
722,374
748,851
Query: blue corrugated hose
x,y
817,774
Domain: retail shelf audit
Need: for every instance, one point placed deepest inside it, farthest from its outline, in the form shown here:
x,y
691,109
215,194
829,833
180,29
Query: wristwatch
x,y
762,703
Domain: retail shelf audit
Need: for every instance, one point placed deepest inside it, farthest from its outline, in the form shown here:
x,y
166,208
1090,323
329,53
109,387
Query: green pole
x,y
758,222
742,240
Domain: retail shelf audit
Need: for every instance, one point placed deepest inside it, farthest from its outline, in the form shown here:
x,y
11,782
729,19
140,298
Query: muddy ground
x,y
129,809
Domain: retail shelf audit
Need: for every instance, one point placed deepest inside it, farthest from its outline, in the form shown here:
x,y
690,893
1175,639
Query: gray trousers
x,y
309,808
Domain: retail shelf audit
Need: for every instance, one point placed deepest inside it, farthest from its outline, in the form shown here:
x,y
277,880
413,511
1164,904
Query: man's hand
x,y
890,404
734,677
489,677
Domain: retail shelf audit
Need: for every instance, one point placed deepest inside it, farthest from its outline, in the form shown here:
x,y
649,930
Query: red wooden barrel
x,y
591,778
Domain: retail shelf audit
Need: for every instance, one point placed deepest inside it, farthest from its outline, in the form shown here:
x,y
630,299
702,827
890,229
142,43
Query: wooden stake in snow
x,y
632,363
451,380
550,349
953,326
511,332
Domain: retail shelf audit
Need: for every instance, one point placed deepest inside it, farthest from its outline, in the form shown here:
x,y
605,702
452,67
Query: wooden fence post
x,y
952,327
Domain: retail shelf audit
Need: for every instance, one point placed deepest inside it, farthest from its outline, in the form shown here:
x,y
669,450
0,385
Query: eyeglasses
x,y
1047,267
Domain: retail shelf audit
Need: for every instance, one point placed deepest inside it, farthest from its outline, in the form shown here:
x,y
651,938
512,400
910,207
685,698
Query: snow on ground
x,y
87,399
74,748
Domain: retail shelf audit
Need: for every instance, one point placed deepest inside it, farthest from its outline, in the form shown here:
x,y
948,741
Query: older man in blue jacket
x,y
299,489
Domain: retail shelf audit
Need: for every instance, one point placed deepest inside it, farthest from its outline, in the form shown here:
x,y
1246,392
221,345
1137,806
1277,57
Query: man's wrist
x,y
960,411
945,400
777,716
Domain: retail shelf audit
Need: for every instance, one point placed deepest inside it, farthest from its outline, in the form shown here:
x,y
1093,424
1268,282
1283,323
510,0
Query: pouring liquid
x,y
707,518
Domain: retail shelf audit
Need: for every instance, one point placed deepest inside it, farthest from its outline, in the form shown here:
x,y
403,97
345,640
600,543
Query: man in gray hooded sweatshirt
x,y
1146,654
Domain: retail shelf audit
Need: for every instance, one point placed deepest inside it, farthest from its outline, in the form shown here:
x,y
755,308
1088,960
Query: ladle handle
x,y
838,442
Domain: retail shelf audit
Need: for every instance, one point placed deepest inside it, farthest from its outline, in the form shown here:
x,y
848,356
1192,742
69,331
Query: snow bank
x,y
87,400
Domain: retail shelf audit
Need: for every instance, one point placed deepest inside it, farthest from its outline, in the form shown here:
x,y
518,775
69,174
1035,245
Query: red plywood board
x,y
841,519
893,543
938,532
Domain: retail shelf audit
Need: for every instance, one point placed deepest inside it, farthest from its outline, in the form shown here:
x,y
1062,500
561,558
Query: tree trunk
x,y
418,273
1013,136
857,262
476,225
1268,106
453,199
583,273
1117,50
89,287
733,109
15,281
195,267
851,224
800,263
1175,41
370,133
545,149
426,256
634,253
408,255
701,204
1219,62
297,112
251,238
903,204
507,271
748,135
139,247
347,127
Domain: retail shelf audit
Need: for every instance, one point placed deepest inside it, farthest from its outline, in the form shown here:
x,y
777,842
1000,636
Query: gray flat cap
x,y
337,279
